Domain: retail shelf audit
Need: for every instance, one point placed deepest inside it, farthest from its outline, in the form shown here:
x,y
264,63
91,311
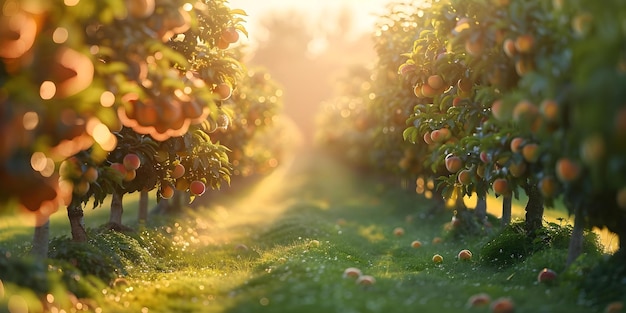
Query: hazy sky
x,y
364,11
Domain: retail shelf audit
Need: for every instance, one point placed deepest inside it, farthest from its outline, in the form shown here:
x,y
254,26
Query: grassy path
x,y
282,246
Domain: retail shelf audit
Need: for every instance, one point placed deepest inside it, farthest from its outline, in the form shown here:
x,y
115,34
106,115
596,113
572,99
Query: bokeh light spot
x,y
71,3
47,90
60,35
38,161
107,99
30,120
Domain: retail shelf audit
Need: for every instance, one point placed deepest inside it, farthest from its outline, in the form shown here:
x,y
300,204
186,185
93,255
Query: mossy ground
x,y
282,244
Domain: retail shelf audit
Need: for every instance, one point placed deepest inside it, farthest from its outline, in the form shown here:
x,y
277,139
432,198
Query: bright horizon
x,y
364,13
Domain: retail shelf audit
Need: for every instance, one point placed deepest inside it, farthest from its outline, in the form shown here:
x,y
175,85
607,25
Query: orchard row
x,y
102,98
500,97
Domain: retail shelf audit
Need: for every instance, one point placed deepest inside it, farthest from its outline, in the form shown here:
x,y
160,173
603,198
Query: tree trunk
x,y
576,241
41,239
77,222
143,206
480,211
534,209
161,206
117,208
176,203
439,205
507,202
458,202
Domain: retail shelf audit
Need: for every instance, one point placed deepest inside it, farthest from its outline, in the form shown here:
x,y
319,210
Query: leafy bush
x,y
513,244
605,282
24,271
126,248
86,257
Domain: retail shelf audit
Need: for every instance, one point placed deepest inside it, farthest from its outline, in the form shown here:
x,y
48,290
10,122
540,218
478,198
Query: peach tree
x,y
528,118
136,63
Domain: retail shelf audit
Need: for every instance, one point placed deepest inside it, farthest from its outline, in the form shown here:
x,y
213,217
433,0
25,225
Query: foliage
x,y
87,258
27,272
512,244
254,108
154,67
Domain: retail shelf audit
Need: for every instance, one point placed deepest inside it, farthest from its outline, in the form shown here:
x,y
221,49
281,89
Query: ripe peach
x,y
501,186
453,164
91,174
465,177
119,167
352,272
130,175
567,170
437,258
516,144
365,280
417,90
525,112
498,111
221,44
440,135
523,66
509,48
614,307
547,186
592,149
474,47
484,156
197,188
435,82
398,231
457,101
223,91
230,35
81,188
428,91
464,255
530,152
546,275
416,244
167,190
178,171
131,161
478,300
621,198
525,43
406,69
549,108
517,169
427,138
502,305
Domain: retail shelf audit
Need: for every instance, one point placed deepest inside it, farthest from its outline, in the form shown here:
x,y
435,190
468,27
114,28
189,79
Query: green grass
x,y
206,268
